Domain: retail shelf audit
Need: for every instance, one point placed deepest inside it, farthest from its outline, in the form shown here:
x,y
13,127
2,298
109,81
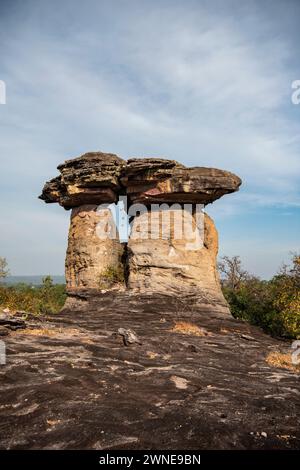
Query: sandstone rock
x,y
159,262
129,336
92,178
92,169
153,181
3,331
92,257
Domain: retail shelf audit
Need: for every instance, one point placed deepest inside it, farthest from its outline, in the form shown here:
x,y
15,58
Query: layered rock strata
x,y
162,195
91,257
161,261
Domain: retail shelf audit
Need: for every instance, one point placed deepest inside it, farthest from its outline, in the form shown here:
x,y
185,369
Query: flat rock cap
x,y
98,177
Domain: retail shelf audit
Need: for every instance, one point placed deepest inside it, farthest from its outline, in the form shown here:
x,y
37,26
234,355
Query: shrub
x,y
111,276
47,298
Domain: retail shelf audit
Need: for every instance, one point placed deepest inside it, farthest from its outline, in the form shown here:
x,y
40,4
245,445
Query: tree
x,y
295,269
3,268
286,287
273,305
232,274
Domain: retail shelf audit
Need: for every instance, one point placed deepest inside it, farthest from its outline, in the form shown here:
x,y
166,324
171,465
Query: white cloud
x,y
160,78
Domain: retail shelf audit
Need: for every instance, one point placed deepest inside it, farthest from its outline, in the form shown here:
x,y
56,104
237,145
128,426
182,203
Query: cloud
x,y
200,82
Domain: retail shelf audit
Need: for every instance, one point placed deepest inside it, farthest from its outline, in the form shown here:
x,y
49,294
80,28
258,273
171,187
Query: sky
x,y
207,83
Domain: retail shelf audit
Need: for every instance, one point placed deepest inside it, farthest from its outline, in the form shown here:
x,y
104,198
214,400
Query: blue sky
x,y
207,83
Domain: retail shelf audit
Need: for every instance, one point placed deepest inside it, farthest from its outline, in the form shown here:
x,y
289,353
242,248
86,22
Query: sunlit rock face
x,y
92,255
164,258
155,259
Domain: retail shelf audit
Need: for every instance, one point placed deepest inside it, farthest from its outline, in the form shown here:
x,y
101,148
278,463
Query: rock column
x,y
168,264
173,244
87,185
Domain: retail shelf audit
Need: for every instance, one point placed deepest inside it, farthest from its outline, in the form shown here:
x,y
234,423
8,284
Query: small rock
x,y
6,310
129,336
264,434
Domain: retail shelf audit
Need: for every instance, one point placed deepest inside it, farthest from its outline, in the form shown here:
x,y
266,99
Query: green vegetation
x,y
111,276
3,268
273,305
44,299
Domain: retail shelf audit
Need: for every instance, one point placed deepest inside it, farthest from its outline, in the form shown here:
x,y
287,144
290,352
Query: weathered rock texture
x,y
161,264
164,263
89,254
194,380
153,180
92,178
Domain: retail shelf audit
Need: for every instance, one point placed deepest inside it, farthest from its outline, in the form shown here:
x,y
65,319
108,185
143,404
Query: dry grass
x,y
49,331
187,328
283,361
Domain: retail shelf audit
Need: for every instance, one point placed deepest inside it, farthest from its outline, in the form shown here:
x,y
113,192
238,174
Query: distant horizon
x,y
34,275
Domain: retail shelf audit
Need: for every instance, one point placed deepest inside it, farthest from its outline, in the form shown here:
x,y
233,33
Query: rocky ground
x,y
185,377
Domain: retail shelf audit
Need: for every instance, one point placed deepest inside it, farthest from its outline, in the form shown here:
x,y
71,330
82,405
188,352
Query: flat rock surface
x,y
193,379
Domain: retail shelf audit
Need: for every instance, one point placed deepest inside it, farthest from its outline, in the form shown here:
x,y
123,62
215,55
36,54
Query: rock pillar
x,y
94,259
164,257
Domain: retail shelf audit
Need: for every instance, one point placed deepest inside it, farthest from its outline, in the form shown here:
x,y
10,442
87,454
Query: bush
x,y
111,276
44,299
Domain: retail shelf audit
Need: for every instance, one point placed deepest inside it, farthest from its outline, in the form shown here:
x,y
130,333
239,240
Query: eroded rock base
x,y
196,379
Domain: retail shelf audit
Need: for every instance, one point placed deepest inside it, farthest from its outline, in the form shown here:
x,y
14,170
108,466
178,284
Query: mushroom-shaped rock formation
x,y
85,183
163,199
